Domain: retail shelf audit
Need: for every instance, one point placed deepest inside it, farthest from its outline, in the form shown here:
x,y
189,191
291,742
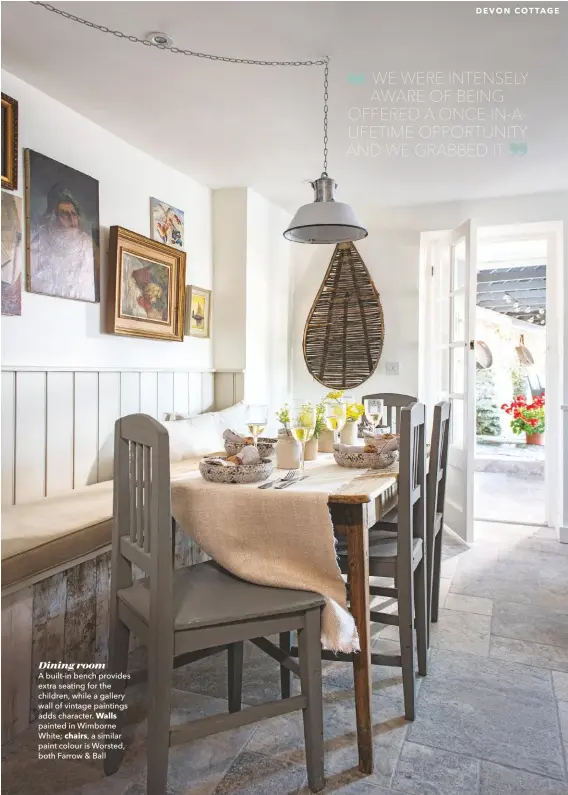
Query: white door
x,y
453,360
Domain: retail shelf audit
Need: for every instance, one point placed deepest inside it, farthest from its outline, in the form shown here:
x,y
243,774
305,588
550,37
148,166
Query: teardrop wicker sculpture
x,y
344,333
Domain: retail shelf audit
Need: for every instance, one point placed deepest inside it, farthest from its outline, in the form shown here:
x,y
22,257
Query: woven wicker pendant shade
x,y
344,333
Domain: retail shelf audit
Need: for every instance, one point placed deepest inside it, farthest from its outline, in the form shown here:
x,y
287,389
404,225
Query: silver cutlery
x,y
290,482
288,477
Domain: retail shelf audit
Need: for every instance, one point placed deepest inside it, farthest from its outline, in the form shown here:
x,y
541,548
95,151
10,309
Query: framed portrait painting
x,y
198,312
146,287
62,230
167,223
9,143
12,254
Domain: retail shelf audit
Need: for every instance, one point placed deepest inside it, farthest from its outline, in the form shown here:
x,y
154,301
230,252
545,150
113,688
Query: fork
x,y
290,482
289,476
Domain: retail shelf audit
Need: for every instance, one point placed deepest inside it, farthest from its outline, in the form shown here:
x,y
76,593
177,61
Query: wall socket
x,y
392,368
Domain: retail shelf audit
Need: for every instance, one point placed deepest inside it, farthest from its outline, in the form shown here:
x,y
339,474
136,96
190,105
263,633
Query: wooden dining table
x,y
356,499
354,508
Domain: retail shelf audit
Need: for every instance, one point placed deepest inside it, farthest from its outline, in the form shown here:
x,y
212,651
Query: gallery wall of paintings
x,y
100,235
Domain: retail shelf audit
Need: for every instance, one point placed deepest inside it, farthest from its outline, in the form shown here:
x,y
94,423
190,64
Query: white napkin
x,y
232,436
348,448
248,455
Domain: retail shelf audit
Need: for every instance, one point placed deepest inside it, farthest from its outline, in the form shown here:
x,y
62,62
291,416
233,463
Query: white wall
x,y
252,284
62,333
268,371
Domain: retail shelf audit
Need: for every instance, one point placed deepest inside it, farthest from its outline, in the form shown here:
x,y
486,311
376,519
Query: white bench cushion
x,y
55,531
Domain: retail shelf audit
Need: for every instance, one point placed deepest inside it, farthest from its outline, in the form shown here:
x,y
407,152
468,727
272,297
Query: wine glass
x,y
302,424
374,408
257,417
336,415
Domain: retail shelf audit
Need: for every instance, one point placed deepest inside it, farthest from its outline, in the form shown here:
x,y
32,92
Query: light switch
x,y
393,368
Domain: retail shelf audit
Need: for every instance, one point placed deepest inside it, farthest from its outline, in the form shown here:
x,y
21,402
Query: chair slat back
x,y
411,479
142,531
438,462
394,403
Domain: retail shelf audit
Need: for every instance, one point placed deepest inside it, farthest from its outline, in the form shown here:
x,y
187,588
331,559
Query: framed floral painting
x,y
198,312
167,223
146,287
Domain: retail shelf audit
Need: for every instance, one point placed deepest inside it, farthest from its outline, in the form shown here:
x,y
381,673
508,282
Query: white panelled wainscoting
x,y
58,424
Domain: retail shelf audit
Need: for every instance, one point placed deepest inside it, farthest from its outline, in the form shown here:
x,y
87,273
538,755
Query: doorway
x,y
510,381
499,286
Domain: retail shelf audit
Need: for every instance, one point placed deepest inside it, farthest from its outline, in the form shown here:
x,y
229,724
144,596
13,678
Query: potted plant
x,y
528,418
354,413
288,450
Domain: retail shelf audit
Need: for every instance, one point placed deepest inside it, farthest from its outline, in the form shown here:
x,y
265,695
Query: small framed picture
x,y
9,143
167,223
198,311
146,287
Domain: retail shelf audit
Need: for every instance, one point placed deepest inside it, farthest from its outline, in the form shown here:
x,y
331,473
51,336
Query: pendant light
x,y
325,220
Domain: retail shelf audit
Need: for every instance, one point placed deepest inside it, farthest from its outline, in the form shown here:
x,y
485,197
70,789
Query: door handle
x,y
472,345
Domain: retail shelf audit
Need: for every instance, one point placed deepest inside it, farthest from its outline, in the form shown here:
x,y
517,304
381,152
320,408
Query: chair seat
x,y
384,544
207,595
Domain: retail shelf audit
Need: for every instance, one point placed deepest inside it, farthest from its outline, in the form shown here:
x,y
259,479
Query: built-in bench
x,y
56,575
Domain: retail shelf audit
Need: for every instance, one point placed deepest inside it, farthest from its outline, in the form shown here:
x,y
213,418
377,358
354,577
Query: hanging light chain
x,y
177,50
325,110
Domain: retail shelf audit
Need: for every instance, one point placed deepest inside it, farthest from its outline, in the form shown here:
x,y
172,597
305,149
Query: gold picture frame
x,y
146,287
9,143
198,312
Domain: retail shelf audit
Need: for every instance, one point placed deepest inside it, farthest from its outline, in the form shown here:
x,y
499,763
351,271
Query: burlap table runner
x,y
282,538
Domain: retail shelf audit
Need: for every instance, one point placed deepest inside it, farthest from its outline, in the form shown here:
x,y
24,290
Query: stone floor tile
x,y
283,736
563,715
466,632
256,774
445,585
261,678
349,782
28,775
499,780
429,771
532,622
528,653
560,681
516,582
491,709
203,763
469,604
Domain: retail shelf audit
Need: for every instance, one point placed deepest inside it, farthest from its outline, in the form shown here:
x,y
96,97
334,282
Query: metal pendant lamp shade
x,y
325,220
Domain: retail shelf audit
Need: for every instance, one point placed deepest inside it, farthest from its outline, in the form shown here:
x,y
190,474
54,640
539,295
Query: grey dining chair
x,y
436,489
394,402
401,555
181,615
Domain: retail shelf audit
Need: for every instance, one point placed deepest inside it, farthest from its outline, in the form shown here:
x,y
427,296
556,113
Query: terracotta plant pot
x,y
535,438
311,449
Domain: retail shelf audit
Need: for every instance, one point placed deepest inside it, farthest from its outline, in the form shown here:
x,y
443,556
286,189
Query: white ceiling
x,y
227,124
